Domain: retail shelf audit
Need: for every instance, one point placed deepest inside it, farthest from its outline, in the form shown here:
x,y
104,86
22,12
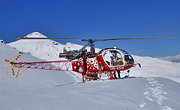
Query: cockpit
x,y
116,57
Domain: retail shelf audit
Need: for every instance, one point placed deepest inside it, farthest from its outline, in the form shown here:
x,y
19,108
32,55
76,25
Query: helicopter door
x,y
116,58
113,57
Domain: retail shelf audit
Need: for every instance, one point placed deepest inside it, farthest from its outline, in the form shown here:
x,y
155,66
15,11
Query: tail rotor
x,y
12,63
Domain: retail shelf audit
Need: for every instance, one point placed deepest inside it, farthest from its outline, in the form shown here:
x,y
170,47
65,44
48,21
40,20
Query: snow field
x,y
155,86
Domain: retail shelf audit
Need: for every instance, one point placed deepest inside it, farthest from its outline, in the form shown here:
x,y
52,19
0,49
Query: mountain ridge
x,y
171,58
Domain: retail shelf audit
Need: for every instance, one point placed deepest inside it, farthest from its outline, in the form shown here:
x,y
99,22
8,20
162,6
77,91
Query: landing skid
x,y
125,77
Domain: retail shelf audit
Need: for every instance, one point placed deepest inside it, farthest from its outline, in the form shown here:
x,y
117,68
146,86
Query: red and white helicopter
x,y
108,61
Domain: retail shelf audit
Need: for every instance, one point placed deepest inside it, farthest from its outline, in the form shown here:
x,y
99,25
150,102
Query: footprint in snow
x,y
155,93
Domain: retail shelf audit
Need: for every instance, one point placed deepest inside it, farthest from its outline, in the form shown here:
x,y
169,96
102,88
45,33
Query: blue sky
x,y
97,19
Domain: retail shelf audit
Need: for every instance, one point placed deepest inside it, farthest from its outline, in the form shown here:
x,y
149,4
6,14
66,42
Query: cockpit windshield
x,y
128,58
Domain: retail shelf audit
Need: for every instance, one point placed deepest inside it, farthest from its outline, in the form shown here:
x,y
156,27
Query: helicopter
x,y
90,64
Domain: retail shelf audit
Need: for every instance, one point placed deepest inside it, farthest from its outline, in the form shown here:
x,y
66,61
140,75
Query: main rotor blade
x,y
49,38
133,38
95,40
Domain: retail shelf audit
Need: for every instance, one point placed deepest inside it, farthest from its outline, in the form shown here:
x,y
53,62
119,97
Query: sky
x,y
97,19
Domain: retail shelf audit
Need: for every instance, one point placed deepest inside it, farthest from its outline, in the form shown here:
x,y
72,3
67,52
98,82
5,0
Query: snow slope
x,y
155,86
153,67
29,77
44,49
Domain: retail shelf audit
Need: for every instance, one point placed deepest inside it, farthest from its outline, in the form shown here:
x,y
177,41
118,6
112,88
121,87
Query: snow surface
x,y
155,86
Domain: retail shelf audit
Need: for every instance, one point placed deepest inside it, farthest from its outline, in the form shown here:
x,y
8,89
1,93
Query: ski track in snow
x,y
155,94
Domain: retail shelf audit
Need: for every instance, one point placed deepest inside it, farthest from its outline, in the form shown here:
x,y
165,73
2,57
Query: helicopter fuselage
x,y
107,60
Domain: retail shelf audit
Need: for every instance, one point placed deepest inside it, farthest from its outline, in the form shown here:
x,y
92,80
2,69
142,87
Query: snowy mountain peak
x,y
36,34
